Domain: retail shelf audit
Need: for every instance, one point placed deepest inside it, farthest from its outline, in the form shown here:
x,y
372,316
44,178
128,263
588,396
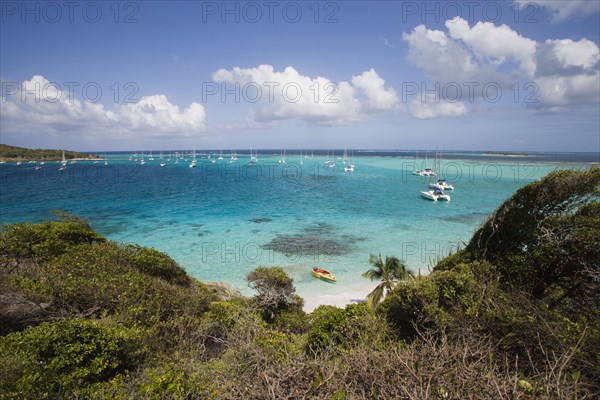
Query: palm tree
x,y
390,272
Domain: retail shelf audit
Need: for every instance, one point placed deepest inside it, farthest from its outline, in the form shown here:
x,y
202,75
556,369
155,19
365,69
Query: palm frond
x,y
389,271
376,296
371,274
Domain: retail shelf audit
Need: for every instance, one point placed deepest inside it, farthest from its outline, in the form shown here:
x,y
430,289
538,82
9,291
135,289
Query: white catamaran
x,y
435,195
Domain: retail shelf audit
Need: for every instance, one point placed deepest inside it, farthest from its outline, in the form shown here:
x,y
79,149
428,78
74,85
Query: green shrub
x,y
155,263
98,278
45,240
61,358
168,382
276,291
460,257
291,321
275,346
429,301
230,313
333,327
547,234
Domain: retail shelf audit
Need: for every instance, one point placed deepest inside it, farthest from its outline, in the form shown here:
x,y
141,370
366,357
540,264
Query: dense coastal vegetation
x,y
13,153
515,314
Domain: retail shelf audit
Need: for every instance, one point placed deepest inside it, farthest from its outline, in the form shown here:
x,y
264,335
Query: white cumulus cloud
x,y
373,86
564,72
430,107
583,53
158,114
445,59
288,94
495,44
568,72
38,105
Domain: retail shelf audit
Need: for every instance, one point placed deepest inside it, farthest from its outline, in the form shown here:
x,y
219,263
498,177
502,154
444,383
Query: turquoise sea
x,y
221,220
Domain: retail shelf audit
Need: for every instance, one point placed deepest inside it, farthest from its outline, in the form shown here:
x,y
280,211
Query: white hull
x,y
424,173
441,186
431,195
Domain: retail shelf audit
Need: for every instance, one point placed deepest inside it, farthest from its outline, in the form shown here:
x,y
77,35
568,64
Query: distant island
x,y
14,153
505,153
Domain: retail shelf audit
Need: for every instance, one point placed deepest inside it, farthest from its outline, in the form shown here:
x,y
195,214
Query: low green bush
x,y
102,278
63,358
342,328
429,301
45,240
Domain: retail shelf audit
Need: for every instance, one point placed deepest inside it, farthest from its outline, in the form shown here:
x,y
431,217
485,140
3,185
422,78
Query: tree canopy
x,y
13,153
547,234
389,272
276,291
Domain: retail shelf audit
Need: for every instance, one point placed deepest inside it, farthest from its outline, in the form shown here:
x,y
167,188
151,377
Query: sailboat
x,y
39,164
441,183
345,158
435,195
425,171
220,155
142,161
350,167
253,157
193,163
417,171
437,192
282,158
105,159
332,163
63,163
328,159
233,157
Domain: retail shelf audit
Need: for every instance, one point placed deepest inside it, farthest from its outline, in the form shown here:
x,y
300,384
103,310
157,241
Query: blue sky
x,y
137,75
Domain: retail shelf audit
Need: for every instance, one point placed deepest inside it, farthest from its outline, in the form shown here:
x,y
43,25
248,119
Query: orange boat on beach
x,y
324,275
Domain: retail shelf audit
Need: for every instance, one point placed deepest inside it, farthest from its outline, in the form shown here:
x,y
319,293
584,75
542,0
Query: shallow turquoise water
x,y
220,221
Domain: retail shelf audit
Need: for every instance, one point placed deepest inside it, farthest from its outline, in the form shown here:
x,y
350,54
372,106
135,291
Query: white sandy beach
x,y
337,294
